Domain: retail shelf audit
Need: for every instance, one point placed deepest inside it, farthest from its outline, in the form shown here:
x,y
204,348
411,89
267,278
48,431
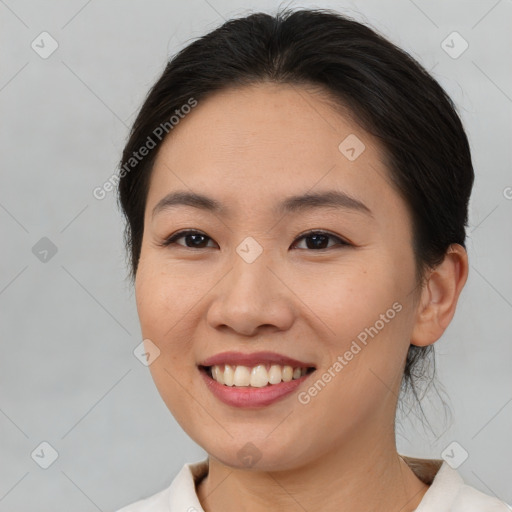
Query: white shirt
x,y
447,491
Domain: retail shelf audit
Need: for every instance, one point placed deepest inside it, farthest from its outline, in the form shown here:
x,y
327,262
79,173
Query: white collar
x,y
443,495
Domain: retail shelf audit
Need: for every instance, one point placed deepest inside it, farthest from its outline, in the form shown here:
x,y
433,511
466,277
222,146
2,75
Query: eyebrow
x,y
293,204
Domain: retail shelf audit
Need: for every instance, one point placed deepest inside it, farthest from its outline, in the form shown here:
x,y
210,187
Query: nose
x,y
252,297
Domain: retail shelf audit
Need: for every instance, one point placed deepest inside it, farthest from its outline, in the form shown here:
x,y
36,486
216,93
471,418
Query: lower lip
x,y
251,396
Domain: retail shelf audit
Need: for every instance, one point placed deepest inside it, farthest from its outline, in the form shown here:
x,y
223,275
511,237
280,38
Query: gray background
x,y
68,375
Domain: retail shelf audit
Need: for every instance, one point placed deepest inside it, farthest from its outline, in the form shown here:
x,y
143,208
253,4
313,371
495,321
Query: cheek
x,y
365,313
350,297
165,308
162,309
163,296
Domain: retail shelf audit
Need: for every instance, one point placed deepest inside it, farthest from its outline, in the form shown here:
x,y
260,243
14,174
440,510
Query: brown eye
x,y
318,240
193,239
315,240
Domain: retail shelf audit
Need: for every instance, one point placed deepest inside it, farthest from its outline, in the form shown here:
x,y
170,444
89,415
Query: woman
x,y
296,192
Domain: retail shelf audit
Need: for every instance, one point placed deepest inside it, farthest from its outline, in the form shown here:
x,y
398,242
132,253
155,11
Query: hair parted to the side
x,y
389,94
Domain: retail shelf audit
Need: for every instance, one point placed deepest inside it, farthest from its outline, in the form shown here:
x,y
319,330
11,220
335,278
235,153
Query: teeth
x,y
258,376
274,374
218,375
229,375
242,376
287,373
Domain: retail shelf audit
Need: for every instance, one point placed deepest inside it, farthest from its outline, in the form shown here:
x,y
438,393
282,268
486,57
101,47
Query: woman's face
x,y
250,281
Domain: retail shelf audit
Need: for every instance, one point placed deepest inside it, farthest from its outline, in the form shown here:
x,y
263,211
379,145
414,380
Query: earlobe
x,y
439,297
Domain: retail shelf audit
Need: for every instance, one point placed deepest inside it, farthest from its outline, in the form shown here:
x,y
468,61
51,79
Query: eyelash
x,y
181,234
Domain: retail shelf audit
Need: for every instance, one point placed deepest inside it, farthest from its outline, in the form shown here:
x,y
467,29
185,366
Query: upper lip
x,y
239,358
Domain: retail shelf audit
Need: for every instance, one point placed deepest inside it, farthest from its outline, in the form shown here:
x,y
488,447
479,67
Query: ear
x,y
439,297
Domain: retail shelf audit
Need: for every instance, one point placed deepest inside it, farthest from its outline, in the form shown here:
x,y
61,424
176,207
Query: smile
x,y
253,380
258,376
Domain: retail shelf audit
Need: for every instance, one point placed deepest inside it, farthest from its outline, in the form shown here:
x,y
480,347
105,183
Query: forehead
x,y
280,121
252,145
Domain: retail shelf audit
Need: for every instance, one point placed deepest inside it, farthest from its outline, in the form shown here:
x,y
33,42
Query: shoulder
x,y
469,499
159,502
448,492
180,495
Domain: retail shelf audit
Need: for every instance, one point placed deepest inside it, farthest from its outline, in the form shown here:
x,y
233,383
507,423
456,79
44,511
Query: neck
x,y
365,474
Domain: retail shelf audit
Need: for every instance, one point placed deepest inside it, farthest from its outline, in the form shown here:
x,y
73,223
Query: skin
x,y
250,148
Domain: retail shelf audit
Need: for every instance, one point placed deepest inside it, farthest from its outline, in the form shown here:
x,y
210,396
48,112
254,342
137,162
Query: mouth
x,y
257,376
253,380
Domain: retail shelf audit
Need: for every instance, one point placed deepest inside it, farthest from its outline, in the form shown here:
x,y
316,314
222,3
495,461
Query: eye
x,y
196,239
320,238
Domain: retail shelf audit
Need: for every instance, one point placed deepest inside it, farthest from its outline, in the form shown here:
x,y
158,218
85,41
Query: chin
x,y
257,456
